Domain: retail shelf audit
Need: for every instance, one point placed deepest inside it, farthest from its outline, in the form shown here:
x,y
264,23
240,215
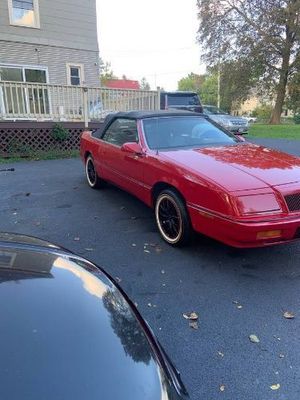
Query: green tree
x,y
209,89
106,73
144,85
264,32
192,82
205,85
293,101
236,80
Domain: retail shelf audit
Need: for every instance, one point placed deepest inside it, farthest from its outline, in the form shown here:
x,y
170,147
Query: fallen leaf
x,y
191,316
288,315
222,388
275,387
146,251
193,324
220,354
237,303
254,339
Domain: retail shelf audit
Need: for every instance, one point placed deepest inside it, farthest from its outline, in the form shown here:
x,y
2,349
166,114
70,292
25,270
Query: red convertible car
x,y
197,177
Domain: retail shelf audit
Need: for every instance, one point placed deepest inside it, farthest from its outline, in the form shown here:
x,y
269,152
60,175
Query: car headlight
x,y
257,204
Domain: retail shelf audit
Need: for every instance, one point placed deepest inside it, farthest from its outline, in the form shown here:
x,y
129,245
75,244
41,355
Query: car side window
x,y
121,131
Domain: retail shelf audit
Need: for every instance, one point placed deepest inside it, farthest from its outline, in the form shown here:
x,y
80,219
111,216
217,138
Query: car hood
x,y
68,332
239,167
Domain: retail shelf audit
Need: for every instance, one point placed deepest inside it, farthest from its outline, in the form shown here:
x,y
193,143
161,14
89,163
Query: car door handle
x,y
138,155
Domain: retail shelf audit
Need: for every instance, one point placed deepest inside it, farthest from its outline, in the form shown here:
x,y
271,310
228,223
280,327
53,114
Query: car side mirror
x,y
132,147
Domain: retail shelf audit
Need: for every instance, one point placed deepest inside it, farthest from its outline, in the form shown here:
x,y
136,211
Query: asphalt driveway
x,y
235,292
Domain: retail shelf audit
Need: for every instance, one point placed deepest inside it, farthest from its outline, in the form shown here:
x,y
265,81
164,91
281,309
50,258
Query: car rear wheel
x,y
172,218
91,174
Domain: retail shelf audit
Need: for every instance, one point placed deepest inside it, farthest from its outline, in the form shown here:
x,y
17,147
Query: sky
x,y
155,39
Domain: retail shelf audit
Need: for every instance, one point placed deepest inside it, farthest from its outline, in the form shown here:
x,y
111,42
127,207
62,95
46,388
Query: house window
x,y
24,13
75,74
16,99
23,74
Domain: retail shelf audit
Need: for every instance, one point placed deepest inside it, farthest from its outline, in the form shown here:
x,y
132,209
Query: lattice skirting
x,y
29,138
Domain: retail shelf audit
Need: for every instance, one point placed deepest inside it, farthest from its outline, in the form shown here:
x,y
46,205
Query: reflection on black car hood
x,y
67,332
24,239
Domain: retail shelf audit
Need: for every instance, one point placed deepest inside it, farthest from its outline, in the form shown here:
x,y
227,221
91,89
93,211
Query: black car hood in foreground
x,y
68,332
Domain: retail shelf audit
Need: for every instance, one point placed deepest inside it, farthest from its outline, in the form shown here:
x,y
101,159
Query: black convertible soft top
x,y
145,114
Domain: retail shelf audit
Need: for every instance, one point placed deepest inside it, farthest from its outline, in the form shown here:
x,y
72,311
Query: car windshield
x,y
213,110
183,100
178,132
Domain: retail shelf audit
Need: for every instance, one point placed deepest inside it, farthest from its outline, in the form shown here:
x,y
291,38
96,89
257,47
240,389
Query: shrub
x,y
297,119
263,112
15,146
59,133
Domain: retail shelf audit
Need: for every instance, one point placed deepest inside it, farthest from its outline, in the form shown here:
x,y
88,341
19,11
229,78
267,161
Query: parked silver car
x,y
229,122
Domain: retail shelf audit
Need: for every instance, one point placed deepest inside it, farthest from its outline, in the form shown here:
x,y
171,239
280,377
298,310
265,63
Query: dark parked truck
x,y
188,101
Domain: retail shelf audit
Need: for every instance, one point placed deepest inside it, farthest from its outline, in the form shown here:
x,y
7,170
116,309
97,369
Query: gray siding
x,y
67,34
64,23
55,58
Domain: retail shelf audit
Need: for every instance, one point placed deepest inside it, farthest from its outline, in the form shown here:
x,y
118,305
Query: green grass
x,y
49,155
284,131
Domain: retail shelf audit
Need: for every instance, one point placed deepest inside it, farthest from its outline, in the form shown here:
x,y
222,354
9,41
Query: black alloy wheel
x,y
91,174
172,218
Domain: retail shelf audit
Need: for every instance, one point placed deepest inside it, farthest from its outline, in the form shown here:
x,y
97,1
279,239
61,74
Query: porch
x,y
45,102
37,118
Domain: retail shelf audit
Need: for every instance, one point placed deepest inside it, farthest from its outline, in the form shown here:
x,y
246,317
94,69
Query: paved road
x,y
289,146
207,278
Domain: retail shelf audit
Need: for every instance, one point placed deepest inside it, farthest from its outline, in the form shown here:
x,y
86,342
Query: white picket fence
x,y
44,102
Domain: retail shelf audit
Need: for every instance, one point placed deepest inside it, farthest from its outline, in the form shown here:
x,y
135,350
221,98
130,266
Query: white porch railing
x,y
42,102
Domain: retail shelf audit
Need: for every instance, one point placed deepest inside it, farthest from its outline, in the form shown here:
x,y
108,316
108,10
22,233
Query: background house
x,y
122,84
49,73
49,41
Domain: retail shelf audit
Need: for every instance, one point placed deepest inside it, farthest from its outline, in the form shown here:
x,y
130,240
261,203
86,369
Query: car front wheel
x,y
172,218
91,174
